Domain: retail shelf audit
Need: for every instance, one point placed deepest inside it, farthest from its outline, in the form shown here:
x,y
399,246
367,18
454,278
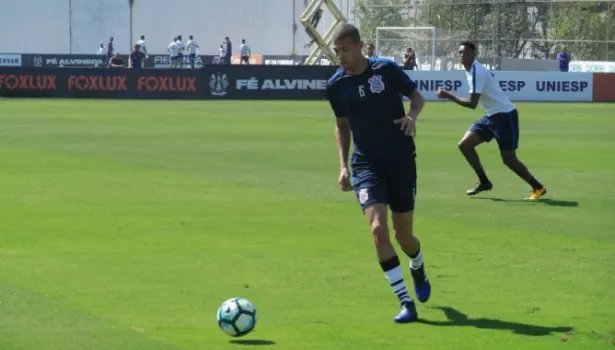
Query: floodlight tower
x,y
310,18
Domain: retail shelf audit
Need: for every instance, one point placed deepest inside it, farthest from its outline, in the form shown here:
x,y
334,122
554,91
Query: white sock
x,y
397,283
417,261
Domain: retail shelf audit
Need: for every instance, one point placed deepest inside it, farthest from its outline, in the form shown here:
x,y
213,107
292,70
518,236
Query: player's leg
x,y
506,131
372,197
478,133
402,195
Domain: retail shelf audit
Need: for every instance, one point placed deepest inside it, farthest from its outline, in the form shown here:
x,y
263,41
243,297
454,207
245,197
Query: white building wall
x,y
80,26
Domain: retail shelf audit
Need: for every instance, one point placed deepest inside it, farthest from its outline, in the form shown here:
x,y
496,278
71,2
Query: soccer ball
x,y
237,317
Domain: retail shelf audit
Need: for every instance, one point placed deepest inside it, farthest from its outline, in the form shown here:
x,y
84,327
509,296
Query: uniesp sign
x,y
519,86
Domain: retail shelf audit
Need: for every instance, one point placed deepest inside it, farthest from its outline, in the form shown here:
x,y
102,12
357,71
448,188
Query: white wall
x,y
30,26
45,26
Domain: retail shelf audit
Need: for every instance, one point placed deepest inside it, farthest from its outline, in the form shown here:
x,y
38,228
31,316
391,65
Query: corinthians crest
x,y
218,84
37,61
376,85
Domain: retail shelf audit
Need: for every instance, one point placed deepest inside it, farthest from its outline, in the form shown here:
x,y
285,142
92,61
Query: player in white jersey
x,y
173,52
180,52
191,46
245,52
501,121
141,44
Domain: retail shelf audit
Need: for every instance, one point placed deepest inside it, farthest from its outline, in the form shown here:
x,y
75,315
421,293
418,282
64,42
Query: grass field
x,y
124,225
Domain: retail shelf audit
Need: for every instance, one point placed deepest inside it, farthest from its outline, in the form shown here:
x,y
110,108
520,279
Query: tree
x,y
382,13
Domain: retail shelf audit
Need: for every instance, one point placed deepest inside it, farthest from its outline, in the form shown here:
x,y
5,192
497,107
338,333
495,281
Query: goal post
x,y
393,41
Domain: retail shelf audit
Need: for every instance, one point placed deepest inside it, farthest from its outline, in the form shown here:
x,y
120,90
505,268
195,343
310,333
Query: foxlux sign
x,y
281,84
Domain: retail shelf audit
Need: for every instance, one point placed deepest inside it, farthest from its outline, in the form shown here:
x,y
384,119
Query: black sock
x,y
482,177
535,184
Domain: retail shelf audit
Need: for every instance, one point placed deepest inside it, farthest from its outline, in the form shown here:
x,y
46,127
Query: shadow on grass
x,y
545,201
252,342
459,319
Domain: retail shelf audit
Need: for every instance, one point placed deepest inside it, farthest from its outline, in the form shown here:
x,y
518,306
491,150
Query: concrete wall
x,y
519,65
80,26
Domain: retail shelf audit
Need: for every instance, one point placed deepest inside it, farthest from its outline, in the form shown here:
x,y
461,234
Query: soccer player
x,y
245,51
365,96
180,52
142,47
173,53
192,46
501,121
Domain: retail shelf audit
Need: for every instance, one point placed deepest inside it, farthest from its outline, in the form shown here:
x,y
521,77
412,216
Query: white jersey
x,y
180,47
173,49
244,49
222,52
191,45
141,44
101,51
492,98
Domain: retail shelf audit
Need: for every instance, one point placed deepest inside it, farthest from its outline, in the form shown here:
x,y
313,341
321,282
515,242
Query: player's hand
x,y
407,124
441,93
344,180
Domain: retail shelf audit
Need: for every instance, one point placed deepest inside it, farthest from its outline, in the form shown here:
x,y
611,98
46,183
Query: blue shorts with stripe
x,y
395,186
504,127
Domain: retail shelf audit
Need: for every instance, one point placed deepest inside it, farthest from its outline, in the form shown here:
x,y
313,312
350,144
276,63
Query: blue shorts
x,y
504,127
396,188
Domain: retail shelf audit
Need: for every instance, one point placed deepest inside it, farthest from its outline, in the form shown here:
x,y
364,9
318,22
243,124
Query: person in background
x,y
229,50
110,51
137,58
192,46
173,52
410,60
180,52
245,52
101,50
116,61
369,51
141,44
563,60
222,54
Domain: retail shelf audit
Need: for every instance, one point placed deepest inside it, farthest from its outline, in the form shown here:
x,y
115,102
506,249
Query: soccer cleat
x,y
407,313
422,287
480,187
536,194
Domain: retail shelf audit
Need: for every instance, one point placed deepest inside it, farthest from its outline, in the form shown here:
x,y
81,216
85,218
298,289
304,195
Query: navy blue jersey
x,y
371,102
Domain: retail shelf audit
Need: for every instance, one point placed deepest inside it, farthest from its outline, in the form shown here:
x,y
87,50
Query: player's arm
x,y
342,128
476,89
342,138
468,102
408,88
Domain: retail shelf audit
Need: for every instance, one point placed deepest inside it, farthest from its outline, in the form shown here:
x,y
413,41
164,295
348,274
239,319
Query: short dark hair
x,y
142,37
348,31
371,45
469,44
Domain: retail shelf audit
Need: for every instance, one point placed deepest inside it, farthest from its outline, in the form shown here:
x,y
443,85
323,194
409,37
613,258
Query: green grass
x,y
124,225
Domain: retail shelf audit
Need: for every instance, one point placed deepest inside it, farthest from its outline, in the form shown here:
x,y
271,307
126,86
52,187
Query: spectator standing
x,y
563,60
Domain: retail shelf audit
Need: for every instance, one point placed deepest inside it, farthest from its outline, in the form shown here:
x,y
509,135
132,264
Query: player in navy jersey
x,y
366,98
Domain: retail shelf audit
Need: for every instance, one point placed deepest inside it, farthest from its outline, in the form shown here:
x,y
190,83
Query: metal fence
x,y
534,29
